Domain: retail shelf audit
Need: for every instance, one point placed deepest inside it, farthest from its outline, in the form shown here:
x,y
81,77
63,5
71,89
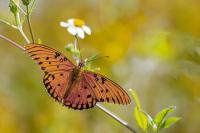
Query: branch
x,y
12,42
116,118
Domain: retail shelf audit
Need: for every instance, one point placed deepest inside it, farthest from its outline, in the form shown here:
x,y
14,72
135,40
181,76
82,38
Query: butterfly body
x,y
74,78
72,86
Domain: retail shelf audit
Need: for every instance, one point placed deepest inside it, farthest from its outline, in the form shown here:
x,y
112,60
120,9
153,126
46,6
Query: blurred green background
x,y
154,48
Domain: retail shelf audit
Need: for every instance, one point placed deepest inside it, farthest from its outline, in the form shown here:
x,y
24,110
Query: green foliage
x,y
169,122
140,117
144,120
160,117
150,121
134,94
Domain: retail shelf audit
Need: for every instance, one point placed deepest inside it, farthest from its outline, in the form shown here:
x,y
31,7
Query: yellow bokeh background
x,y
153,47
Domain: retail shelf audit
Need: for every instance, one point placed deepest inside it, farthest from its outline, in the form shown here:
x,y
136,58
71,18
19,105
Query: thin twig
x,y
24,35
9,24
12,42
20,28
29,23
116,118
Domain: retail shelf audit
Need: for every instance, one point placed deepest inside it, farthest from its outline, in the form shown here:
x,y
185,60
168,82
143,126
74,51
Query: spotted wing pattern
x,y
105,89
91,88
81,96
56,66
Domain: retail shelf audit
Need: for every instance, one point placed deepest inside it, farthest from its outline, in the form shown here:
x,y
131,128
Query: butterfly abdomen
x,y
73,78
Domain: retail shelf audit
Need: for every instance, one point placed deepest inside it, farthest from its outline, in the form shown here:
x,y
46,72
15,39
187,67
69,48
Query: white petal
x,y
64,24
72,30
86,29
71,21
81,33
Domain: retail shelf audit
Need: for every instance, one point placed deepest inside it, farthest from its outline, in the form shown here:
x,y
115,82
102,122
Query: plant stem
x,y
76,49
29,23
76,43
19,26
9,24
24,35
12,42
116,117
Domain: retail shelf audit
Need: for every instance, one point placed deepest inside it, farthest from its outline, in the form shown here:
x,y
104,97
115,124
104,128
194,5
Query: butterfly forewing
x,y
56,66
105,89
48,58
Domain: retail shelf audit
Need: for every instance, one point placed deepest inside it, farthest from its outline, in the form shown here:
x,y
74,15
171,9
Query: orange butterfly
x,y
70,84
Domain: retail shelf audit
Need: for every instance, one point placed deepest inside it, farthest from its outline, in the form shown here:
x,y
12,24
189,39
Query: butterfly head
x,y
81,64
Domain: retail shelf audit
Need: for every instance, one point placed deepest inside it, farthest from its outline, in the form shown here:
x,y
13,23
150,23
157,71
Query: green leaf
x,y
169,122
134,94
150,120
160,117
141,119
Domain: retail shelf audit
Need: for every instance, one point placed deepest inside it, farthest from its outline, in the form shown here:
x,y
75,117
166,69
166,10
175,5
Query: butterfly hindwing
x,y
81,96
56,66
105,89
56,84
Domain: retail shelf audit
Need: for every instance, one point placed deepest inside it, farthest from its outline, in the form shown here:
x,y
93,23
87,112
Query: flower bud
x,y
26,2
70,47
13,7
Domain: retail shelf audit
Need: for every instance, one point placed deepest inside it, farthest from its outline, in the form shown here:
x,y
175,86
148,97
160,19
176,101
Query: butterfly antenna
x,y
97,58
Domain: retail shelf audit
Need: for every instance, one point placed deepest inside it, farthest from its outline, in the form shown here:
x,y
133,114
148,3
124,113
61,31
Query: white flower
x,y
76,27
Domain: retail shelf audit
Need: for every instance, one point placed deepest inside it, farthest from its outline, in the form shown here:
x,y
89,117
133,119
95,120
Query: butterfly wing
x,y
81,96
105,89
56,66
91,88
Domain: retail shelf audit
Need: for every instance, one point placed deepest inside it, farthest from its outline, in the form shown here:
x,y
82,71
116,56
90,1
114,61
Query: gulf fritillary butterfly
x,y
70,84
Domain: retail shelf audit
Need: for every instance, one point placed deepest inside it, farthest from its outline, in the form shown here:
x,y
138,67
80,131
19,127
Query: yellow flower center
x,y
79,22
